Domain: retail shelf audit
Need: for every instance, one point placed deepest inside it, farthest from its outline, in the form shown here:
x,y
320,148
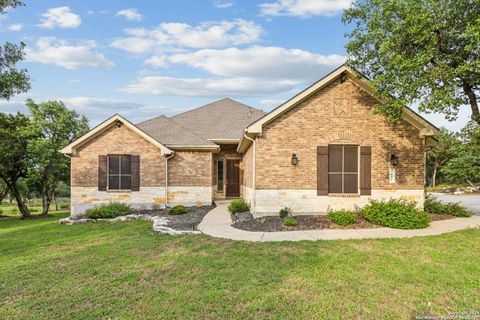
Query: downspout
x,y
166,177
254,171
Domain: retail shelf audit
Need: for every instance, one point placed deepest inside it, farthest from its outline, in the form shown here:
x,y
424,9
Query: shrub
x,y
432,205
106,211
238,205
178,209
284,212
395,213
342,217
290,222
65,205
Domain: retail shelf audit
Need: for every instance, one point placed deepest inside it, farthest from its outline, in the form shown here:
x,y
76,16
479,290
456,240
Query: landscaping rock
x,y
68,221
242,216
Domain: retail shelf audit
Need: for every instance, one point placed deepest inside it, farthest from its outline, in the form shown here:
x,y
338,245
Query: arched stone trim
x,y
343,137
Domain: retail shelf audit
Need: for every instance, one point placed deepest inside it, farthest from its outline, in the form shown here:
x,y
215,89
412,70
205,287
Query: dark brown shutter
x,y
135,173
365,170
102,173
322,170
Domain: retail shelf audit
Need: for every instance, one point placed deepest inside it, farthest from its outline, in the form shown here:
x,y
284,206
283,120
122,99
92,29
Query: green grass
x,y
122,270
8,209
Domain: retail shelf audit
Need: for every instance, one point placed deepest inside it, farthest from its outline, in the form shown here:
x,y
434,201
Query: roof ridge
x,y
208,104
154,118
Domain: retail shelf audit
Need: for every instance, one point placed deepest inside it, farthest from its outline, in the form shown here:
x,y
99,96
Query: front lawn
x,y
122,270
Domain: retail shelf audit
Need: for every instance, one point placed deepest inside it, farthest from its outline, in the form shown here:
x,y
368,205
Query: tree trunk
x,y
46,199
470,183
21,205
56,203
467,88
434,176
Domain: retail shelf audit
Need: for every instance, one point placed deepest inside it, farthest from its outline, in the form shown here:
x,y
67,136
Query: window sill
x,y
119,191
344,195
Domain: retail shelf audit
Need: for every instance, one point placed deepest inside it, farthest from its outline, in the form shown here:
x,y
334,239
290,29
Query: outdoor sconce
x,y
394,159
294,159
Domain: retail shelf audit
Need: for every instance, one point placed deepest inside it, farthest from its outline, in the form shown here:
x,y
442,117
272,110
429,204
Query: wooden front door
x,y
233,178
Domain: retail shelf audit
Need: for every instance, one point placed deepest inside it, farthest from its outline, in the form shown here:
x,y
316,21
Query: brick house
x,y
322,148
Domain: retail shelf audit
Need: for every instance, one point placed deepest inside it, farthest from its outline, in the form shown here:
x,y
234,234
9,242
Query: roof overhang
x,y
225,141
426,129
117,119
194,148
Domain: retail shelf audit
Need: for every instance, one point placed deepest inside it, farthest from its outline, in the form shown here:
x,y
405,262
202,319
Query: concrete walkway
x,y
217,224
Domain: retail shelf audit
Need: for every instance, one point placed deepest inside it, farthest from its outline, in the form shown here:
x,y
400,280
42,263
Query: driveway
x,y
469,201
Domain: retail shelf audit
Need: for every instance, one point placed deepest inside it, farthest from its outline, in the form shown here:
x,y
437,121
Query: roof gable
x,y
92,134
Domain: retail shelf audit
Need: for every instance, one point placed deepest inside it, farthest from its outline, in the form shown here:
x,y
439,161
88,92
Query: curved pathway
x,y
217,223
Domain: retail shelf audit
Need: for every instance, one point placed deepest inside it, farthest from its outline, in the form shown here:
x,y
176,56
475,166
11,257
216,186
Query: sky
x,y
145,58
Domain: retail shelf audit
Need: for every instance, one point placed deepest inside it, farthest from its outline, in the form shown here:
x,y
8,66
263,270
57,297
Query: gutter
x,y
254,171
166,177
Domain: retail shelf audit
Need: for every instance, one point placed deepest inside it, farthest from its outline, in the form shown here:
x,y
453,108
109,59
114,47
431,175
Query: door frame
x,y
226,184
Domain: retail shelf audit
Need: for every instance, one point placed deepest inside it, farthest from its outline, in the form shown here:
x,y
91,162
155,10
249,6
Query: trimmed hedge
x,y
342,217
290,222
178,209
395,213
432,205
238,206
284,212
107,211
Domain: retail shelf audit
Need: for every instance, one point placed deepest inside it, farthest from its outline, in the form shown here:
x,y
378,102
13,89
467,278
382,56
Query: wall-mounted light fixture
x,y
394,159
294,159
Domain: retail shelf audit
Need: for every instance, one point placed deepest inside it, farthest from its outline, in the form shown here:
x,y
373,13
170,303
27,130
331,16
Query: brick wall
x,y
190,168
339,113
118,140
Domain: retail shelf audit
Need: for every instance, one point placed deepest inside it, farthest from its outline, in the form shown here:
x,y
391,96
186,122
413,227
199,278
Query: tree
x,y
465,165
14,139
438,156
54,127
418,51
3,190
12,80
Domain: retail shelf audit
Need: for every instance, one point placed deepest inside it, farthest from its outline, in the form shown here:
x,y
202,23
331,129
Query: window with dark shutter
x,y
342,169
119,172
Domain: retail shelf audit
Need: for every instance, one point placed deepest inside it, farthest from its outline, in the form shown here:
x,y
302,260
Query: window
x,y
342,169
119,172
220,175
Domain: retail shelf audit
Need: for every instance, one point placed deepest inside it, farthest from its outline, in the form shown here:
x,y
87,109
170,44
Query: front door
x,y
233,178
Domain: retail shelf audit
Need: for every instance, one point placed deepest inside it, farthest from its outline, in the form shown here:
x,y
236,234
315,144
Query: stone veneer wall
x,y
189,174
339,113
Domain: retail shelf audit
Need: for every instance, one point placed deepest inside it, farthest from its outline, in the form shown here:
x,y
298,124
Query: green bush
x,y
432,205
65,205
289,222
284,212
106,211
399,214
238,205
178,209
342,217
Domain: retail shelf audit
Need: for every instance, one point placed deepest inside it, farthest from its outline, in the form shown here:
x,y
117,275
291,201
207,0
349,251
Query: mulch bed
x,y
305,222
310,222
188,221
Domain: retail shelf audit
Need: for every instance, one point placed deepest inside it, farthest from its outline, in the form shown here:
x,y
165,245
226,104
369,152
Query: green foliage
x,y
465,165
238,206
418,51
178,209
64,205
432,205
438,156
395,213
342,217
284,212
290,222
107,211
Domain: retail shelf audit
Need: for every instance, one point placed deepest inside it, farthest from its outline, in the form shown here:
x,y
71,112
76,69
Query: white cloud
x,y
223,4
15,27
158,61
304,8
50,50
199,87
60,17
258,62
130,14
168,36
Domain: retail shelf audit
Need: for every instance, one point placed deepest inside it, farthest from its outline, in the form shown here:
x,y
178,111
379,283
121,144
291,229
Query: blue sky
x,y
146,58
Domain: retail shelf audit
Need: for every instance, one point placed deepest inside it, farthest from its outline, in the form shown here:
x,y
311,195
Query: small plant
x,y
284,212
65,205
395,213
432,205
290,222
177,210
107,211
238,206
342,217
